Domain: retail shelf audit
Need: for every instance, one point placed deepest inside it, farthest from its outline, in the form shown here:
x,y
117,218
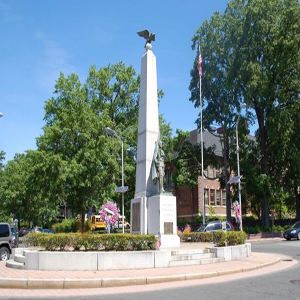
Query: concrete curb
x,y
64,283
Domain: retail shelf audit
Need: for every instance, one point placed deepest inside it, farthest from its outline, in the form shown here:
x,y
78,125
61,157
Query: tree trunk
x,y
227,176
297,196
228,196
82,218
265,218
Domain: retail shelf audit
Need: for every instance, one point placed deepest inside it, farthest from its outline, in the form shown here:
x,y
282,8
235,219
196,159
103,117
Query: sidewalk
x,y
32,279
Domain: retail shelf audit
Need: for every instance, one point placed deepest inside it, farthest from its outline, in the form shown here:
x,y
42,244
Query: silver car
x,y
5,241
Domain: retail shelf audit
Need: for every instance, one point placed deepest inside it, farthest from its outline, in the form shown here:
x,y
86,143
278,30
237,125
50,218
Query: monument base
x,y
162,219
156,215
138,216
169,241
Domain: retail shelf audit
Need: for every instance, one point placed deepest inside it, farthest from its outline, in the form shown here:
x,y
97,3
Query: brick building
x,y
189,201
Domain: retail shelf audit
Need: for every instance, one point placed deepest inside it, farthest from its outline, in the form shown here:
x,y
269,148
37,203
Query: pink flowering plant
x,y
106,216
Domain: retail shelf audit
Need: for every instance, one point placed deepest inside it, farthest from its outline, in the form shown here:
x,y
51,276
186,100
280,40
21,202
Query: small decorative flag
x,y
200,65
237,211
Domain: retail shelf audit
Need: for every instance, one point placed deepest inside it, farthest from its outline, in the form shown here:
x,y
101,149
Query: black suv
x,y
5,241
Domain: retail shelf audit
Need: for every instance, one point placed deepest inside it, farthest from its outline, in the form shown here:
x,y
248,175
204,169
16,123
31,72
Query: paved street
x,y
267,283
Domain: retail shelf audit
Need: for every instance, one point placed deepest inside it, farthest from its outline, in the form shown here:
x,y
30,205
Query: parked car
x,y
119,224
23,231
14,236
215,226
293,232
5,241
37,229
48,231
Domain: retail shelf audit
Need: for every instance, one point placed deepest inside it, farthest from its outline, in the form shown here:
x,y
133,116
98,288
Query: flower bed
x,y
91,242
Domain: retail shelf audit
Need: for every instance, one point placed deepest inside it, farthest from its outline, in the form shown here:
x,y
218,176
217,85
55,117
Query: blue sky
x,y
40,39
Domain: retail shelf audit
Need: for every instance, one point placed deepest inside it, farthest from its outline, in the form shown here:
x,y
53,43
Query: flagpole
x,y
201,136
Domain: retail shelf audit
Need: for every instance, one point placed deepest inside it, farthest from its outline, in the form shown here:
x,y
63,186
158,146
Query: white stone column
x,y
148,130
151,212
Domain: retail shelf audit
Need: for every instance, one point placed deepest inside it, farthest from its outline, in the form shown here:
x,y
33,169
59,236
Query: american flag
x,y
200,65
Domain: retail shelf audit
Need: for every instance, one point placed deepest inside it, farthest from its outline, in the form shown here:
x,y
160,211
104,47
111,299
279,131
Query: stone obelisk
x,y
152,212
148,132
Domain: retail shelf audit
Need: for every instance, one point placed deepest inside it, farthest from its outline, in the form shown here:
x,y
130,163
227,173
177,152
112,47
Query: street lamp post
x,y
122,189
238,165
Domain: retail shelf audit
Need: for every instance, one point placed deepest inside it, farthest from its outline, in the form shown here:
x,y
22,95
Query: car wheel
x,y
288,239
4,253
298,236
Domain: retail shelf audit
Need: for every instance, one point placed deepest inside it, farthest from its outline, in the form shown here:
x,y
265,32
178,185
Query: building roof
x,y
211,139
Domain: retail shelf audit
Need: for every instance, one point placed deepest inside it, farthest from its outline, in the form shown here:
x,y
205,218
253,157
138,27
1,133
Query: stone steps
x,y
14,264
189,252
193,256
19,258
181,263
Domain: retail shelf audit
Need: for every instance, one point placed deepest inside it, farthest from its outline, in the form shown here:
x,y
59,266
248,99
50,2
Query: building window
x,y
218,197
218,171
206,196
212,197
224,198
169,177
205,172
211,171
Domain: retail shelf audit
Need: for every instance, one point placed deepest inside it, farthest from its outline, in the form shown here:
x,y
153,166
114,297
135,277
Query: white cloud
x,y
8,14
53,60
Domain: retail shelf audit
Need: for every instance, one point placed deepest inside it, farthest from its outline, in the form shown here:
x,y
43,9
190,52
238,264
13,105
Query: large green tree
x,y
267,72
31,188
77,135
77,119
221,101
251,54
115,89
77,163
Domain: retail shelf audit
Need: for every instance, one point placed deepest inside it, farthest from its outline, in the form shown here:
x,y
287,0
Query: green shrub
x,y
71,225
267,229
252,230
91,242
278,228
197,237
235,238
219,238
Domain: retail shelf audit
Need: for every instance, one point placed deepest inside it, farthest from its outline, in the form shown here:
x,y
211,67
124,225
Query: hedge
x,y
219,238
71,225
91,242
197,237
229,238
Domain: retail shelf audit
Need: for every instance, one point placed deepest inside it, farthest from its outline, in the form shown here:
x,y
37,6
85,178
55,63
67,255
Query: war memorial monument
x,y
152,210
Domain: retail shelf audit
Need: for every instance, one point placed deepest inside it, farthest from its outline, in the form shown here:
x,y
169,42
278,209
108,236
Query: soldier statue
x,y
158,167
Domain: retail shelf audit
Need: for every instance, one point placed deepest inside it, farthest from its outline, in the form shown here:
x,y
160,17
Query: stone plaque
x,y
136,217
168,227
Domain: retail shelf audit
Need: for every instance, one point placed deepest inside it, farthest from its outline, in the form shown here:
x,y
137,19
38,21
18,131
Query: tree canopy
x,y
77,162
251,54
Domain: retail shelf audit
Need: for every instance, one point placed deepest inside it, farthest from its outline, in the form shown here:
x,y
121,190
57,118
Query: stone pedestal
x,y
138,216
162,219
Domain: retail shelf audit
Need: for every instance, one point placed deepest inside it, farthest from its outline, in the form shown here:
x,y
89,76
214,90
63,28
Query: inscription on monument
x,y
168,211
136,218
168,228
